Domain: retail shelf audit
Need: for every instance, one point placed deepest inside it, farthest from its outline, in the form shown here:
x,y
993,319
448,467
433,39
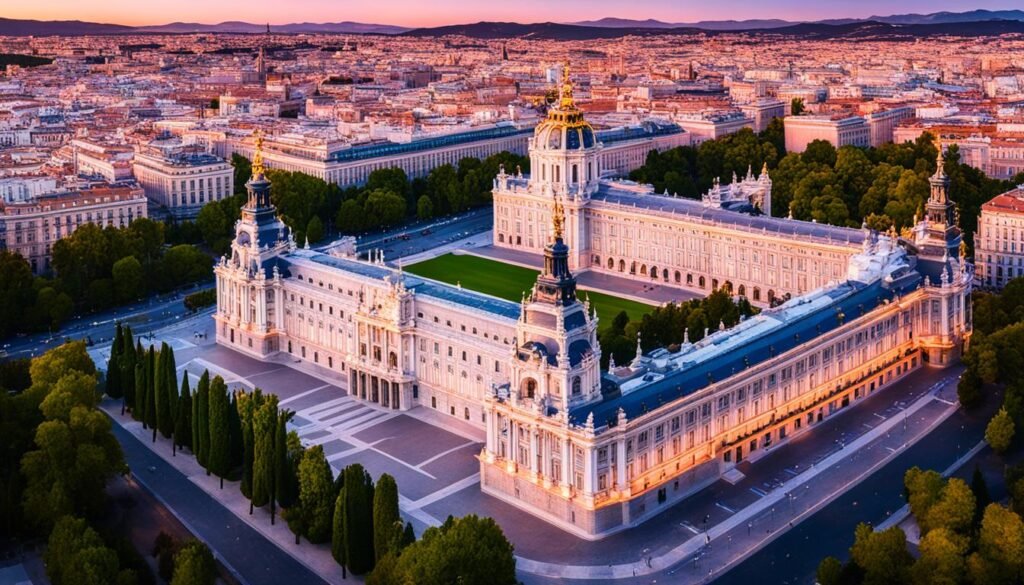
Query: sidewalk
x,y
315,557
754,526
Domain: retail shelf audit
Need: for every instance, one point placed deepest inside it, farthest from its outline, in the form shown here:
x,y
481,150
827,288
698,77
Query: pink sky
x,y
437,12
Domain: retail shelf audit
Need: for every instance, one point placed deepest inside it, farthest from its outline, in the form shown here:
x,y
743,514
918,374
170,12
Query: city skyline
x,y
397,12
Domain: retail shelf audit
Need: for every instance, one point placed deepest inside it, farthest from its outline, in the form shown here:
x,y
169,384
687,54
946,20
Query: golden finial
x,y
567,102
557,218
257,157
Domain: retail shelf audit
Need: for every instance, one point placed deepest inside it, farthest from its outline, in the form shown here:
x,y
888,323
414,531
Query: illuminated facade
x,y
590,451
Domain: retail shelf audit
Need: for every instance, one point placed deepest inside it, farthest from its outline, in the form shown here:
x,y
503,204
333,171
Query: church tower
x,y
939,235
249,278
556,364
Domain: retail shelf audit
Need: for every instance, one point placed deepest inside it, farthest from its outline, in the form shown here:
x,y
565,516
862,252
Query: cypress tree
x,y
127,366
317,495
387,523
247,405
171,386
152,389
338,530
183,422
408,537
282,495
234,432
220,441
113,378
201,436
358,520
264,426
140,391
164,421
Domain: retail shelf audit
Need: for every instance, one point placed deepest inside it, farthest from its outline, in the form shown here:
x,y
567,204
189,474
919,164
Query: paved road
x,y
256,560
440,232
794,556
143,316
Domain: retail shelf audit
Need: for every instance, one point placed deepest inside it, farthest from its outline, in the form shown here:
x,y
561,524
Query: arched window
x,y
577,386
678,277
771,295
664,274
743,291
757,293
622,265
611,264
528,388
701,282
575,174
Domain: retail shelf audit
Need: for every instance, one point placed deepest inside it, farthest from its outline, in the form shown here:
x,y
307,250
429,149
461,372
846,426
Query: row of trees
x,y
995,356
95,268
672,324
245,435
312,207
964,539
884,186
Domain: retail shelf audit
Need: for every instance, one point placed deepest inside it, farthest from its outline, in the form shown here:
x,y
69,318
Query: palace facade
x,y
595,451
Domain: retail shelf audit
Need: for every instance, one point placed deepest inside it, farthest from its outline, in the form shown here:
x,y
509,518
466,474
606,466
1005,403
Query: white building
x,y
802,130
183,182
589,451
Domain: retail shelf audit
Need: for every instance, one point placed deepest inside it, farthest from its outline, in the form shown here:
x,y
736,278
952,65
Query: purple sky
x,y
436,12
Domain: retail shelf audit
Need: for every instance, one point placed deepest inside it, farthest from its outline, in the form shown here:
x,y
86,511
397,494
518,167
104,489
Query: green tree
x,y
338,529
387,206
113,375
183,421
954,510
69,469
387,522
194,565
883,555
284,495
942,559
264,431
464,550
247,406
820,152
316,494
75,554
830,571
129,279
424,208
16,293
968,389
153,386
314,230
358,539
201,422
164,374
1000,551
999,432
350,218
220,441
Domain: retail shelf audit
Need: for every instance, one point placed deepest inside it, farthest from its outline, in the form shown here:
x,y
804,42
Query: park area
x,y
508,281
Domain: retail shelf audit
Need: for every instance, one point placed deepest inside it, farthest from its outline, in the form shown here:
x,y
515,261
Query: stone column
x,y
620,466
534,449
588,470
566,483
513,446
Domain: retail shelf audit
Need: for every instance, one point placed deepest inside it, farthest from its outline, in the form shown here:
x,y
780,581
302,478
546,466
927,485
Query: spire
x,y
566,101
257,157
940,163
557,219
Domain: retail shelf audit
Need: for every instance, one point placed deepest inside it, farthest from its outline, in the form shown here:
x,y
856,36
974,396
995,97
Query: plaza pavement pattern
x,y
433,458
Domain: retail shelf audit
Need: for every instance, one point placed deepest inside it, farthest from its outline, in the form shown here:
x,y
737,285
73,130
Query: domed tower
x,y
565,163
556,363
249,285
564,153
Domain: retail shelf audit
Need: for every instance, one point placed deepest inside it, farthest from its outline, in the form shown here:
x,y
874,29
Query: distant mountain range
x,y
859,30
730,25
12,27
973,23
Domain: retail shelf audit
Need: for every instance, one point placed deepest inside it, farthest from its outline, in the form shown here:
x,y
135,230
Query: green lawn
x,y
508,281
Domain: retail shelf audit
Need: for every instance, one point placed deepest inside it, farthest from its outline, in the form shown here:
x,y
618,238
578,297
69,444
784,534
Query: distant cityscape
x,y
608,301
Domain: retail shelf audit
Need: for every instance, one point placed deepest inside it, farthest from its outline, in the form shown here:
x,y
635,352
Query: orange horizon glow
x,y
417,13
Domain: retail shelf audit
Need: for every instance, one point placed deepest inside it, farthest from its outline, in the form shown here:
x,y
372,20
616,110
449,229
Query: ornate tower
x,y
249,287
556,364
940,235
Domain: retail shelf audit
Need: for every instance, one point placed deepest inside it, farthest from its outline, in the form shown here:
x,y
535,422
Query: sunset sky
x,y
436,12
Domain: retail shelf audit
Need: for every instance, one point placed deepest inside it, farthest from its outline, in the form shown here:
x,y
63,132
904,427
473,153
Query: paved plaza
x,y
433,458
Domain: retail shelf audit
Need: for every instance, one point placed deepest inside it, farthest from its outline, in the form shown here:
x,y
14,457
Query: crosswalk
x,y
339,418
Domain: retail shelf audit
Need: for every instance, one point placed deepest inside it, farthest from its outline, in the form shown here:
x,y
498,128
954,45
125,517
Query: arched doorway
x,y
528,389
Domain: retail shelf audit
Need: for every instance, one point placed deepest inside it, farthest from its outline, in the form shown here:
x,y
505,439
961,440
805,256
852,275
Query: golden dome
x,y
565,128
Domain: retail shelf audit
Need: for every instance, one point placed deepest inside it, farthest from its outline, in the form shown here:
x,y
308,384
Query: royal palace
x,y
846,313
